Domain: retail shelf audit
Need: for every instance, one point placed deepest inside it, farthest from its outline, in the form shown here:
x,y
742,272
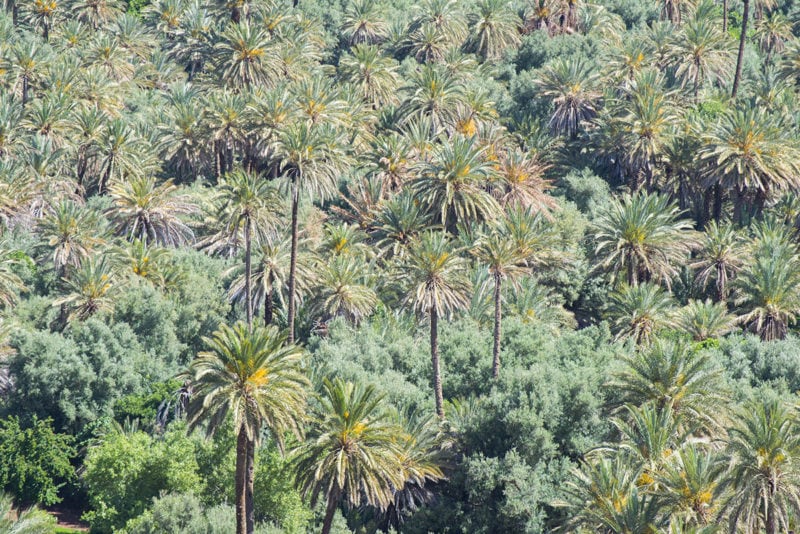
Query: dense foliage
x,y
440,266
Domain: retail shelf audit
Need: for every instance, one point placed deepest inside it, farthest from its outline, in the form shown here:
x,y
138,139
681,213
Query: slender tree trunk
x,y
717,202
724,16
241,482
24,90
737,76
771,523
269,307
437,375
497,319
248,269
330,511
250,479
293,259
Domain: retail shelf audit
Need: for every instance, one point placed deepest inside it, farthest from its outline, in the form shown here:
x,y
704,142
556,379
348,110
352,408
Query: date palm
x,y
701,52
246,56
41,14
353,452
572,87
768,291
772,32
253,375
310,157
704,320
453,184
30,521
446,16
494,27
374,74
120,154
435,95
151,212
398,222
740,56
690,484
721,256
763,451
522,183
343,289
90,289
505,262
642,235
672,375
435,278
71,233
750,153
249,204
363,23
640,312
96,13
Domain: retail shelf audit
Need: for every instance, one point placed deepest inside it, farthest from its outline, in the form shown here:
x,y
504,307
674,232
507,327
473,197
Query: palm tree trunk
x,y
717,202
737,76
724,16
437,375
241,482
24,90
249,484
497,319
293,258
330,510
248,269
269,307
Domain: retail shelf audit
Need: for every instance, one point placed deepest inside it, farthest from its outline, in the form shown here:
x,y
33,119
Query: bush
x,y
124,472
34,460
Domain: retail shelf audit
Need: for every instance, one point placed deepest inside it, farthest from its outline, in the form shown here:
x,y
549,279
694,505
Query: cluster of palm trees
x,y
749,277
683,462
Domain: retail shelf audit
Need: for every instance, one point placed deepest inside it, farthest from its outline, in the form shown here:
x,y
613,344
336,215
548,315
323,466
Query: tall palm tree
x,y
772,32
310,157
494,27
454,183
434,275
353,452
363,23
689,484
505,261
639,312
435,95
374,74
701,52
252,374
343,289
740,56
151,212
246,56
642,235
763,451
522,183
572,86
250,204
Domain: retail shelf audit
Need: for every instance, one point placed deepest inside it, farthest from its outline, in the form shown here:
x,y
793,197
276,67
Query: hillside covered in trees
x,y
450,266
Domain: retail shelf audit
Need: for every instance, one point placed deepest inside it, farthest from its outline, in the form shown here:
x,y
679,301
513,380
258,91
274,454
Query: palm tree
x,y
10,282
768,291
253,374
96,13
250,204
363,23
72,234
374,74
642,235
246,56
639,312
151,212
454,183
750,153
90,289
140,260
763,451
343,289
721,255
436,286
704,320
353,452
572,87
493,29
398,222
435,95
772,32
701,52
672,375
310,156
689,484
504,261
522,182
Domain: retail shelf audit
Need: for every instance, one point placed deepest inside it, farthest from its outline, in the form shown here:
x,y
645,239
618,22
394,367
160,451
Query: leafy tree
x,y
36,460
251,373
